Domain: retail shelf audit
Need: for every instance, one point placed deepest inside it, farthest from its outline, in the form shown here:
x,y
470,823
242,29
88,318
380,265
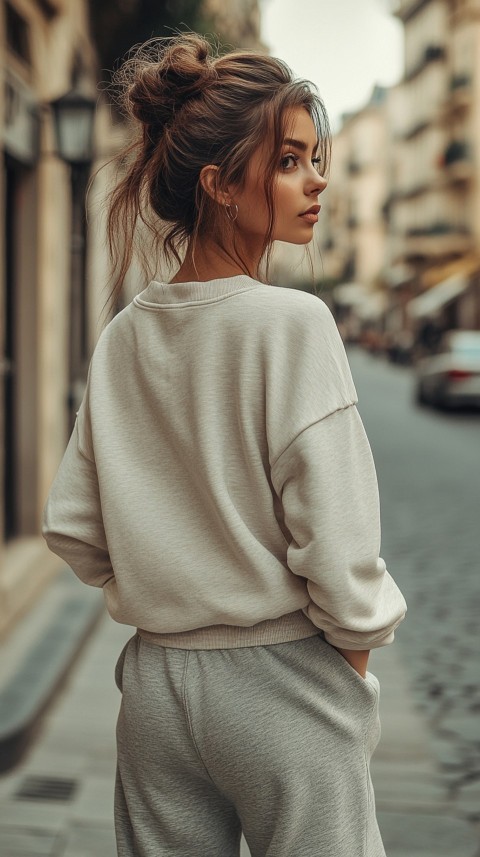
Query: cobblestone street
x,y
428,466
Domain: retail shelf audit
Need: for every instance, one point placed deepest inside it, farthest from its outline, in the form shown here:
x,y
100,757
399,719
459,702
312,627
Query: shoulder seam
x,y
313,423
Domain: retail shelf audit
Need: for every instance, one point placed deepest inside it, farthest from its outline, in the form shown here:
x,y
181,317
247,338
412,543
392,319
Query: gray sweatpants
x,y
272,740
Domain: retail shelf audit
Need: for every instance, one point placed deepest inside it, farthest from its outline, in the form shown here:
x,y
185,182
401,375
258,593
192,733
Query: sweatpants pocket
x,y
369,684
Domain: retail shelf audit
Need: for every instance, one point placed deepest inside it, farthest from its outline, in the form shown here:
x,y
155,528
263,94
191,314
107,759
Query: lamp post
x,y
73,115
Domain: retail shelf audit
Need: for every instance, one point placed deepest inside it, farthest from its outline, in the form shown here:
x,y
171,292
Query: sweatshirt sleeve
x,y
72,520
327,483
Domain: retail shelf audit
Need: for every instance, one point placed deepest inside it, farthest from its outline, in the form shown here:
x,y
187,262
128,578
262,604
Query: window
x,y
17,34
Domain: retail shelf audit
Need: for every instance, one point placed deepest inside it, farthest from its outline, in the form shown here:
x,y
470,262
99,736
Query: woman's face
x,y
297,187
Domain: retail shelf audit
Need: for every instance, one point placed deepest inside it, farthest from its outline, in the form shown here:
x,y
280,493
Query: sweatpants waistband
x,y
284,629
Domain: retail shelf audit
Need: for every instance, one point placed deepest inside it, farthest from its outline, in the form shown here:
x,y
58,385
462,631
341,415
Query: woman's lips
x,y
311,215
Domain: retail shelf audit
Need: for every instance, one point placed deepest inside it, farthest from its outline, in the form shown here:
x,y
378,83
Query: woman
x,y
220,487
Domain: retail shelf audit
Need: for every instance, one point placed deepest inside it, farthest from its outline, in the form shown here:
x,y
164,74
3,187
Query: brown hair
x,y
196,108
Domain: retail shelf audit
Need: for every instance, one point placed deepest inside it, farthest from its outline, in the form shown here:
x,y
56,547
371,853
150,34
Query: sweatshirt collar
x,y
159,295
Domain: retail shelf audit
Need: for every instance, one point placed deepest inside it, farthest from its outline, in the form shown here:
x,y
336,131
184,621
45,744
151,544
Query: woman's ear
x,y
209,182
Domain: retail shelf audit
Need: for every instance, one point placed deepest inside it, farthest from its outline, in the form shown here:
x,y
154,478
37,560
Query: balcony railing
x,y
458,98
432,53
460,81
436,240
416,128
439,227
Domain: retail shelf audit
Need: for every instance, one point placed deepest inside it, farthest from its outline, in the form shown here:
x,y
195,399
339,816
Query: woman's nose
x,y
316,182
321,183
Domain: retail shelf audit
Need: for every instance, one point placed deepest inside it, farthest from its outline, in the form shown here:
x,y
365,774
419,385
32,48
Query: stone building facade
x,y
434,201
45,50
422,259
54,280
353,231
236,21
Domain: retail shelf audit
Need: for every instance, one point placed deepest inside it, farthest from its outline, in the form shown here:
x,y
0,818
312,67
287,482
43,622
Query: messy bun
x,y
193,107
157,86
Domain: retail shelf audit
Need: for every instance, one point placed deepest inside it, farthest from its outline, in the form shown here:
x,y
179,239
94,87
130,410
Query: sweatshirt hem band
x,y
284,629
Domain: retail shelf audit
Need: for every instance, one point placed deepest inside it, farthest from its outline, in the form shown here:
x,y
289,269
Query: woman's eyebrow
x,y
299,144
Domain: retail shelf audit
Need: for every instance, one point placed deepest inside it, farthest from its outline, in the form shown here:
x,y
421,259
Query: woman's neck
x,y
209,261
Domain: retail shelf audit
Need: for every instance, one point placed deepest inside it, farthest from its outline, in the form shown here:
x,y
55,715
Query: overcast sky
x,y
343,46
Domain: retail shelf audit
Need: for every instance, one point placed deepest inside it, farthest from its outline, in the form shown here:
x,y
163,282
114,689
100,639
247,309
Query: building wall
x,y
430,174
353,230
236,21
427,29
419,194
369,190
43,47
462,114
434,114
333,230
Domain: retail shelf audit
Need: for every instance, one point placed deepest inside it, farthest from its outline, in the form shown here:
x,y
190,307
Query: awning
x,y
465,266
432,301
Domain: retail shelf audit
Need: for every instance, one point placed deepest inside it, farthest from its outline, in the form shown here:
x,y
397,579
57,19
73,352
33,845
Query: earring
x,y
230,212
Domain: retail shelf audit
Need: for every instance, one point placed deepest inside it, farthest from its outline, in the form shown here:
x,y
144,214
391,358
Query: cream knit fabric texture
x,y
219,475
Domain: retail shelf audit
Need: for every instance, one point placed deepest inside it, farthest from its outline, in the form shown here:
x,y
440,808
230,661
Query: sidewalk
x,y
57,802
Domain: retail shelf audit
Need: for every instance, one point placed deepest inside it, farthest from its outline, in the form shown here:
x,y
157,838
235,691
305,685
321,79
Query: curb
x,y
27,693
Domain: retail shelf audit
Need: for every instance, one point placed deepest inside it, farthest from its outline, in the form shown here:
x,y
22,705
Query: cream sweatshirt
x,y
218,483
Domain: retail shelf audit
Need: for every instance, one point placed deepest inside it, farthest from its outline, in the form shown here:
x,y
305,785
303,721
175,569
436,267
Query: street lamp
x,y
74,115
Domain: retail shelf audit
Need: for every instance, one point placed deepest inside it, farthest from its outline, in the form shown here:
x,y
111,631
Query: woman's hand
x,y
357,660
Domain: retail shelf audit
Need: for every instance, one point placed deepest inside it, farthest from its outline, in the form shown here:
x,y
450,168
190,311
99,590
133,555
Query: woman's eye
x,y
288,162
316,163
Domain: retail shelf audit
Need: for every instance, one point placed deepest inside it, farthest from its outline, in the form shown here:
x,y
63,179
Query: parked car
x,y
451,376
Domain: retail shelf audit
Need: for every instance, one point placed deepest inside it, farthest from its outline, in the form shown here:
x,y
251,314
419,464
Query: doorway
x,y
19,363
